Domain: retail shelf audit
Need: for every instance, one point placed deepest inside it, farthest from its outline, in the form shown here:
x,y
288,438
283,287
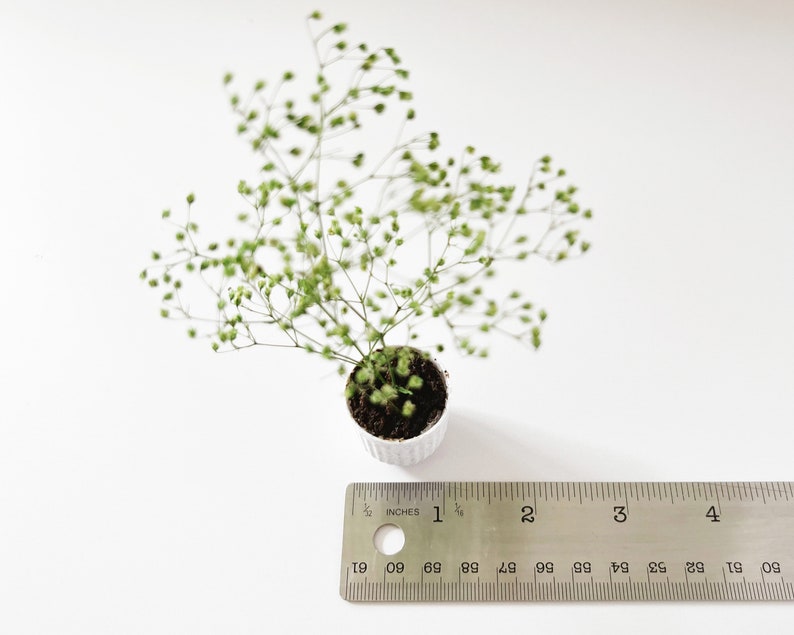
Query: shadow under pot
x,y
401,420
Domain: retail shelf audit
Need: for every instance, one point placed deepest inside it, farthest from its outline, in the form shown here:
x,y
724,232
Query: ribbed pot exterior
x,y
406,451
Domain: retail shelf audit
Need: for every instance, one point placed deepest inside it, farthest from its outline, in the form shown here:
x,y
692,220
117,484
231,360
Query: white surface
x,y
150,486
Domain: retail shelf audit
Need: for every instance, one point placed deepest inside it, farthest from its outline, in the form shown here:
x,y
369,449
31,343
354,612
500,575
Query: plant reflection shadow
x,y
479,447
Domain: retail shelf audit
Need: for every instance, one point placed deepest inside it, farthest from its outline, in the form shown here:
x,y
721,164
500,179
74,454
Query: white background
x,y
148,485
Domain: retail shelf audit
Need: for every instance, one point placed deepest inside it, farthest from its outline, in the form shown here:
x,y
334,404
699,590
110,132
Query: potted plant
x,y
356,251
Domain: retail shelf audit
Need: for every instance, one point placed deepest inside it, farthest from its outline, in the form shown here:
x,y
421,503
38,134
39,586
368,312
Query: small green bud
x,y
392,55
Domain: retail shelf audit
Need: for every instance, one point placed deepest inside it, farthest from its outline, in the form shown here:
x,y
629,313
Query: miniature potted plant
x,y
352,251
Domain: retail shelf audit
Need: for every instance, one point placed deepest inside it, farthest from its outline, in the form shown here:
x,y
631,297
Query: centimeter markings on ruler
x,y
570,541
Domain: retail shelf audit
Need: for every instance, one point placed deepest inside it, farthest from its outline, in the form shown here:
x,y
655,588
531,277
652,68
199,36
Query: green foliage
x,y
343,248
384,375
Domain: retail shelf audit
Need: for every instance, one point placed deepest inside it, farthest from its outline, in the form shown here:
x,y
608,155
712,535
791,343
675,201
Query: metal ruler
x,y
529,541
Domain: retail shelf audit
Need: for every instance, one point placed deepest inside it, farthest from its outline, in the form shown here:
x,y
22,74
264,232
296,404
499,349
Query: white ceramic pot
x,y
409,451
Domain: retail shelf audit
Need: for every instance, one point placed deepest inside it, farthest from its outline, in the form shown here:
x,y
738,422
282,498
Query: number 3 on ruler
x,y
620,513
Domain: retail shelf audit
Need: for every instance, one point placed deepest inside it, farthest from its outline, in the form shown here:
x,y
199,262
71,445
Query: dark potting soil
x,y
388,423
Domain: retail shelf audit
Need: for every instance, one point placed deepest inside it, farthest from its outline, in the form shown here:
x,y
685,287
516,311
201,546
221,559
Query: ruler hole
x,y
389,539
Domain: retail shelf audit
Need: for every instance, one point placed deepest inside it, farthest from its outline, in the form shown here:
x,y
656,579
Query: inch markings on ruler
x,y
569,541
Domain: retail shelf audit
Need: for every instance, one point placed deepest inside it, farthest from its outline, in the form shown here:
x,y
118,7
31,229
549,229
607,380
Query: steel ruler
x,y
576,541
